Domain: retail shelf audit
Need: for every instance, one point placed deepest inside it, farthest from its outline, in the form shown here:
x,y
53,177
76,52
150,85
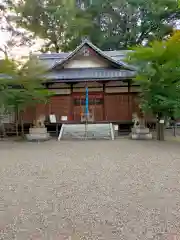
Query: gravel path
x,y
89,190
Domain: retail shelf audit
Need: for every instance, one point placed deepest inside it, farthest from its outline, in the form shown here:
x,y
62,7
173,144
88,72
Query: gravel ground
x,y
89,190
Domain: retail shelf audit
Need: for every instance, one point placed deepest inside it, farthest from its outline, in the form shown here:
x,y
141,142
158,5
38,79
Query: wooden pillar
x,y
72,104
48,104
104,110
129,99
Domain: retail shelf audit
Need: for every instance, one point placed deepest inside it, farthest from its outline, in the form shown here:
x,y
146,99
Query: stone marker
x,y
39,131
139,131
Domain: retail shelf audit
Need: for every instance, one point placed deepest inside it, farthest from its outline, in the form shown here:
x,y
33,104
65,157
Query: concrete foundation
x,y
38,134
140,134
85,132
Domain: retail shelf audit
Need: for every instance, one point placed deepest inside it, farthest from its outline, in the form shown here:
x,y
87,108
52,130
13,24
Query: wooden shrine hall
x,y
112,97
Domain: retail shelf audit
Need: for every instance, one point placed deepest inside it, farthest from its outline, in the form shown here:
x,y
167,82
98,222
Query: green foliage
x,y
158,75
56,22
110,24
21,86
120,24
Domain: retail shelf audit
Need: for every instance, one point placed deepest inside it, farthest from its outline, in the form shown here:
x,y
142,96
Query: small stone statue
x,y
135,120
39,123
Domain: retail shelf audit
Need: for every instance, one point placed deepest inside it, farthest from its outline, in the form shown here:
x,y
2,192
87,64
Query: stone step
x,y
140,130
38,131
89,131
38,134
147,136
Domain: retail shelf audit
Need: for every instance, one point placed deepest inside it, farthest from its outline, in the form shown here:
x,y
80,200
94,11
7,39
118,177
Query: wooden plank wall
x,y
118,103
118,107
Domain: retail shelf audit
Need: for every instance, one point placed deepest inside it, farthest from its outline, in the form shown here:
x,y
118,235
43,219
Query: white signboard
x,y
116,127
64,118
52,118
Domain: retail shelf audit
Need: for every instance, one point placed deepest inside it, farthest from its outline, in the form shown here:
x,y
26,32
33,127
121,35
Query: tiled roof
x,y
55,62
87,43
60,56
71,75
50,59
4,76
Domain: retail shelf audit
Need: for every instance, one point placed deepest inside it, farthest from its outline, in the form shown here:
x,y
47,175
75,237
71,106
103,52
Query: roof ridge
x,y
96,49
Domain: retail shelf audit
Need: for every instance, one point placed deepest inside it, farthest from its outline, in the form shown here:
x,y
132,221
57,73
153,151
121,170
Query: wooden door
x,y
95,105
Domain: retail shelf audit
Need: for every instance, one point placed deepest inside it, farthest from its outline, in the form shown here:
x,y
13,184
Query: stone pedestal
x,y
139,133
38,134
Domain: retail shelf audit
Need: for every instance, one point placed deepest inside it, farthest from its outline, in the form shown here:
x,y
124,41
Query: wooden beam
x,y
104,110
72,103
129,98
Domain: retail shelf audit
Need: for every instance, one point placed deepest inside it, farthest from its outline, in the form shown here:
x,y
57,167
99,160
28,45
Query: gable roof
x,y
112,60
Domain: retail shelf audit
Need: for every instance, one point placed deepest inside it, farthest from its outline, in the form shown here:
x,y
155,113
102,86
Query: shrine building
x,y
112,94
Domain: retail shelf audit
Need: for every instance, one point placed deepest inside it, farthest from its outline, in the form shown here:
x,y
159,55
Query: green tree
x,y
16,37
6,66
158,74
121,24
110,24
21,87
56,22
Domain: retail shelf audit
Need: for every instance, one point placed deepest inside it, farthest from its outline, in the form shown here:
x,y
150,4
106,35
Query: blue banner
x,y
87,102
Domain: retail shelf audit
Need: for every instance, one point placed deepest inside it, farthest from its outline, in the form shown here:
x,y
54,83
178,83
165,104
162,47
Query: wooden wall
x,y
60,106
116,107
117,104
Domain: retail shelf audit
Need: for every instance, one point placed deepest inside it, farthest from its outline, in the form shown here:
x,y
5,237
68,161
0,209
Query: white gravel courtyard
x,y
89,190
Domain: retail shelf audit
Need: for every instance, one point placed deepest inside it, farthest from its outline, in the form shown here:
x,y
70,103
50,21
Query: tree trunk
x,y
174,129
160,128
2,130
22,125
17,121
56,47
17,132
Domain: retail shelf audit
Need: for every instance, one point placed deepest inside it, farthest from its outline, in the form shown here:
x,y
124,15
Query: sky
x,y
17,52
3,38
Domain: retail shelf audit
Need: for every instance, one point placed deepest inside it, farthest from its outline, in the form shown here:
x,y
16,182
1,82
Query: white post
x,y
112,131
60,133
